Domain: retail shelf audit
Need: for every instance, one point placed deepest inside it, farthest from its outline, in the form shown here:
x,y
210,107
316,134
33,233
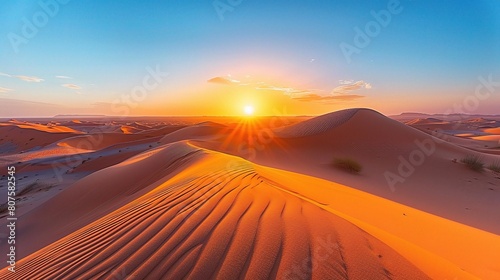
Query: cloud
x,y
315,97
224,80
72,86
346,82
348,86
63,77
288,91
340,93
4,90
30,79
228,80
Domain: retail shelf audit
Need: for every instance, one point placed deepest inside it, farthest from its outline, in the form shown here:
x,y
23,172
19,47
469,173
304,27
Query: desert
x,y
183,201
233,139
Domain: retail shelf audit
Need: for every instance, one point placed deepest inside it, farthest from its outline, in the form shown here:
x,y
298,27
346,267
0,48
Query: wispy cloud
x,y
224,80
63,77
315,97
340,93
350,85
288,91
346,82
4,90
30,79
72,86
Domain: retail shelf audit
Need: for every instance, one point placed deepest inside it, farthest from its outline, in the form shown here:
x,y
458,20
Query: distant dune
x,y
17,137
425,121
246,199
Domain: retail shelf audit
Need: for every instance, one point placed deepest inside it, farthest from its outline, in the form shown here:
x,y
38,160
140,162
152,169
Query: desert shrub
x,y
348,165
473,162
33,187
3,208
495,167
29,188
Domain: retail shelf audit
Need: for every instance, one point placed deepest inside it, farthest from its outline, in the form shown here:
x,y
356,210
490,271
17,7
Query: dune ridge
x,y
317,125
169,201
208,222
205,130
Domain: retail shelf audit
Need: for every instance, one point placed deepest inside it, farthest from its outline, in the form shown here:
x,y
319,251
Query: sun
x,y
248,110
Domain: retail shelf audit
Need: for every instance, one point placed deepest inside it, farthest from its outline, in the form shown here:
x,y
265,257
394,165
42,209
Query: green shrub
x,y
473,162
348,165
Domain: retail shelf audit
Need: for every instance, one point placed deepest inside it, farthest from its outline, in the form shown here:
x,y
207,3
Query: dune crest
x,y
317,125
211,222
169,201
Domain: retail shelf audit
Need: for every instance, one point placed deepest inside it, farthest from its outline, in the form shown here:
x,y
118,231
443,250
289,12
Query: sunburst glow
x,y
248,110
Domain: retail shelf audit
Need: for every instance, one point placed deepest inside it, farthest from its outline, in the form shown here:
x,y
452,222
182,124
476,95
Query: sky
x,y
198,58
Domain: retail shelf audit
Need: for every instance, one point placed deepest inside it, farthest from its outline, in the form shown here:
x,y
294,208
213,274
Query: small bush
x,y
28,189
3,208
33,187
473,162
495,167
348,165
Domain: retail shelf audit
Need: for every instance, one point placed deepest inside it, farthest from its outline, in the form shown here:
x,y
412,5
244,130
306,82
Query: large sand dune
x,y
244,199
380,145
317,125
209,222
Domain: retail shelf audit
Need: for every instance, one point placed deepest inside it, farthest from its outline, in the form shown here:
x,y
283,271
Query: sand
x,y
207,222
249,200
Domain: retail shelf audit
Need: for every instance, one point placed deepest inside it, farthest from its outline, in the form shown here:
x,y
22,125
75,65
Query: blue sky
x,y
282,53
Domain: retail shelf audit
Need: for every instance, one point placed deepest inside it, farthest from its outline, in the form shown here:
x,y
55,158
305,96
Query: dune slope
x,y
219,218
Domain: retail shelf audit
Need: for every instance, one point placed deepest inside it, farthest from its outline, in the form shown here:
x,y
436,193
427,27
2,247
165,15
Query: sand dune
x,y
53,128
206,130
493,138
316,125
365,123
162,130
98,141
378,144
163,201
425,121
492,130
210,222
140,126
15,139
478,120
126,129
